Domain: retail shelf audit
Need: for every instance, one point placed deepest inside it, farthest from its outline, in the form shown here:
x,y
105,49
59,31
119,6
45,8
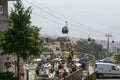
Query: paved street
x,y
109,79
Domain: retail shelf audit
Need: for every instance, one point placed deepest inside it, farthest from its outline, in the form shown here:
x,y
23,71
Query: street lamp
x,y
108,36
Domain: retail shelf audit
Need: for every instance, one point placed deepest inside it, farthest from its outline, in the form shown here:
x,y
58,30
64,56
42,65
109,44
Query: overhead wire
x,y
113,37
47,18
59,13
50,14
11,6
44,17
59,18
45,10
54,21
54,15
80,25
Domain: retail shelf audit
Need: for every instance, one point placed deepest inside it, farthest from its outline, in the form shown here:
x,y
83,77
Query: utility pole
x,y
108,36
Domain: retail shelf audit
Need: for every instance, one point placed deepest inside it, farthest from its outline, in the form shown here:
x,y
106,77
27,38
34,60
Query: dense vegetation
x,y
117,58
90,47
21,38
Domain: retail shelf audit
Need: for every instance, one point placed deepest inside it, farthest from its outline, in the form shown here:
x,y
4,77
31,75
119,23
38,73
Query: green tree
x,y
21,38
1,35
90,48
96,50
64,43
117,58
46,49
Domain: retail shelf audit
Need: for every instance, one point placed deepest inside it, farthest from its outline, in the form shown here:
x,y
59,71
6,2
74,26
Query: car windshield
x,y
118,67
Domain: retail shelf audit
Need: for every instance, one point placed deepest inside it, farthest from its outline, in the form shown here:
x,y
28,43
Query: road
x,y
109,79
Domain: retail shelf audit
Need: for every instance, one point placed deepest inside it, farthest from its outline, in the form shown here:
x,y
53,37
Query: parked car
x,y
107,70
107,60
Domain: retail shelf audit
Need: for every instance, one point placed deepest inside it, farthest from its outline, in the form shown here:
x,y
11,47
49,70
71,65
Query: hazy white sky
x,y
85,17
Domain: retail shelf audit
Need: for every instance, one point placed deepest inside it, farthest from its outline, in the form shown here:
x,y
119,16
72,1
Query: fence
x,y
91,77
77,75
7,76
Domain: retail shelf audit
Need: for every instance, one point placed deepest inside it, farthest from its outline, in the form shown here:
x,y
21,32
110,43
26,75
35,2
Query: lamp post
x,y
108,36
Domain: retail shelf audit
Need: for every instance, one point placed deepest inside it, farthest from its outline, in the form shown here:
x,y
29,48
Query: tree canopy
x,y
21,37
84,46
117,58
90,48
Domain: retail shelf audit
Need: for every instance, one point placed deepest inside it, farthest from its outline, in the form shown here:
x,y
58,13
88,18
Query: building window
x,y
1,9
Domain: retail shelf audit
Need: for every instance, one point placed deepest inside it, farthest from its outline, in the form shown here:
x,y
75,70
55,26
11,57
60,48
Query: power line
x,y
53,16
64,16
50,14
45,11
58,13
55,21
47,18
78,25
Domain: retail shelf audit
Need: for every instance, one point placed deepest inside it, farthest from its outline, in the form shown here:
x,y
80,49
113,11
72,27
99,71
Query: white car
x,y
107,70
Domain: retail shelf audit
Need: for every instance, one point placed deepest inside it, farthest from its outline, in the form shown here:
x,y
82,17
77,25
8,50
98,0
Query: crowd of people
x,y
10,65
62,68
48,67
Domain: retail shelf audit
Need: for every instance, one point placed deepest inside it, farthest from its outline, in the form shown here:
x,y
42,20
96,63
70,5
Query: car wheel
x,y
100,76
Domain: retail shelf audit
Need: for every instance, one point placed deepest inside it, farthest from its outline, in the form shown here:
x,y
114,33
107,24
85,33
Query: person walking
x,y
70,57
83,64
22,73
8,65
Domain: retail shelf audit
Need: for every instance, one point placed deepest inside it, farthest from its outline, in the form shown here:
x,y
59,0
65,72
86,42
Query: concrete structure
x,y
3,14
3,24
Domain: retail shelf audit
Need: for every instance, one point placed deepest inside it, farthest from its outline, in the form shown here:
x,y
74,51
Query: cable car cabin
x,y
113,41
89,39
65,30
